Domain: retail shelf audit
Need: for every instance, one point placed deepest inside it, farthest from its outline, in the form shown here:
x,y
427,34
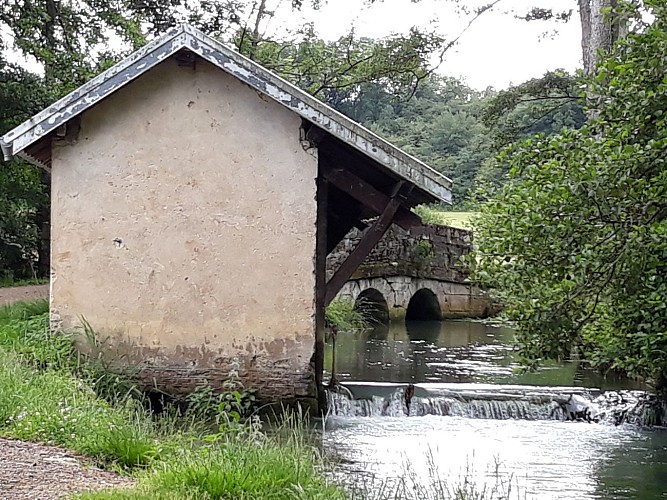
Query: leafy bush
x,y
342,315
233,402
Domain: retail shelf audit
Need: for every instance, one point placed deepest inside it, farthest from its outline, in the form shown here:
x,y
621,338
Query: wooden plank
x,y
366,194
41,151
366,244
320,288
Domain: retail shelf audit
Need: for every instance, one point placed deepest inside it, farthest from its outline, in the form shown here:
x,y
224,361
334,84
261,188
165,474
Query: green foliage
x,y
8,282
440,124
43,399
335,71
232,403
543,105
345,317
23,194
70,39
284,466
425,249
458,131
576,243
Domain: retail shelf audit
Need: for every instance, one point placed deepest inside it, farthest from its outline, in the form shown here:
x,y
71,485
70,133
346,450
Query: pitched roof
x,y
19,140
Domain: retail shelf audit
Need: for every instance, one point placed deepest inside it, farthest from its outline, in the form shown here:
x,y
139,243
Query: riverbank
x,y
49,394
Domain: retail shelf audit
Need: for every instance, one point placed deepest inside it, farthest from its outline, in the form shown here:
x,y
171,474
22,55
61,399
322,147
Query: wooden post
x,y
368,196
320,287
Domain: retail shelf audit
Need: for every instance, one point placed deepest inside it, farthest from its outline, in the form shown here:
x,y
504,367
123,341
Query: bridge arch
x,y
372,303
424,306
456,300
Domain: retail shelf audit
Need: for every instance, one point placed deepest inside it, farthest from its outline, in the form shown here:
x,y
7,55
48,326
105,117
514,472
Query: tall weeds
x,y
342,315
48,393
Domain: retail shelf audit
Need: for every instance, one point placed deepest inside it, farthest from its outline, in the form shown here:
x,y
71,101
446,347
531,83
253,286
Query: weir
x,y
497,402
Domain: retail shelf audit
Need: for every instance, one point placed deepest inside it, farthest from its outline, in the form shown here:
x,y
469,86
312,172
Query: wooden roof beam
x,y
366,244
369,196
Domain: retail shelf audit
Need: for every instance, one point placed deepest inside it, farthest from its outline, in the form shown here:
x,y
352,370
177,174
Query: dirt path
x,y
10,295
31,471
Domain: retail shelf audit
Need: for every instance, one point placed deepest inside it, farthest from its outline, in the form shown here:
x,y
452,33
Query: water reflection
x,y
535,459
636,471
449,351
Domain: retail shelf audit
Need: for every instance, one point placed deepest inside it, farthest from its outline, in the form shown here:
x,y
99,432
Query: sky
x,y
497,50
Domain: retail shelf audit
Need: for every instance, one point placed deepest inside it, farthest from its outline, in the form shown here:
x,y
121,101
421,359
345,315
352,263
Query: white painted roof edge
x,y
246,70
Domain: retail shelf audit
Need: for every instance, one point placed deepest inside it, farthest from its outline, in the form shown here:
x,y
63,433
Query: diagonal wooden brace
x,y
369,196
364,248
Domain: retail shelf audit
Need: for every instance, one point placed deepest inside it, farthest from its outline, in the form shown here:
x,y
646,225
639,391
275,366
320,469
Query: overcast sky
x,y
497,50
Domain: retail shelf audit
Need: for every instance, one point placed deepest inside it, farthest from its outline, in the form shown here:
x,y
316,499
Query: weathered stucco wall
x,y
183,228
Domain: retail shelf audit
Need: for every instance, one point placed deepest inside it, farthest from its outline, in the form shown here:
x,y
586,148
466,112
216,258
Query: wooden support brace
x,y
365,246
366,194
320,287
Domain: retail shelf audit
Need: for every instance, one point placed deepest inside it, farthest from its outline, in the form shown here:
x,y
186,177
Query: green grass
x,y
53,406
241,462
7,282
342,315
267,470
430,215
23,310
49,393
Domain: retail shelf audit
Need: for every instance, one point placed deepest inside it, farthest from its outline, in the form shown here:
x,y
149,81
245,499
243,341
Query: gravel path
x,y
33,471
36,471
10,295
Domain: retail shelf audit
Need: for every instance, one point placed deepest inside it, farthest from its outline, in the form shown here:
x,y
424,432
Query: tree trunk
x,y
599,30
49,35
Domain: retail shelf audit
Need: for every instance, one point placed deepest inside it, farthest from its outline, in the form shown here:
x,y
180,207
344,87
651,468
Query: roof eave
x,y
249,72
94,90
315,111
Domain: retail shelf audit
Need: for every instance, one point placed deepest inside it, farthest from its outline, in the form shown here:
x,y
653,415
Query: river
x,y
476,423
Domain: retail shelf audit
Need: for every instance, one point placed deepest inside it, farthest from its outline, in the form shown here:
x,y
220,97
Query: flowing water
x,y
474,421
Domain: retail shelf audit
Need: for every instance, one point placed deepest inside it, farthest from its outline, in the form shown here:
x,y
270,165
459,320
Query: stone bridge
x,y
414,274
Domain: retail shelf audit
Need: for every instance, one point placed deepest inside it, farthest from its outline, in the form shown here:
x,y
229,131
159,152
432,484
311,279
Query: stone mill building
x,y
195,198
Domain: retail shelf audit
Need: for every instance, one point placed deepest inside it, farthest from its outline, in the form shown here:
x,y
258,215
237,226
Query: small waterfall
x,y
498,402
484,408
632,407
